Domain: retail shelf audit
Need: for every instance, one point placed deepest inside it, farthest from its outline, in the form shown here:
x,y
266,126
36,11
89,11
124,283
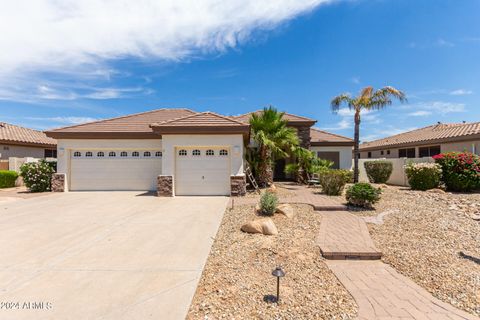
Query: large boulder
x,y
286,210
264,226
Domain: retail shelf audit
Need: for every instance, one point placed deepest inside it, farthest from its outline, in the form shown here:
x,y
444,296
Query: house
x,y
173,151
426,142
20,142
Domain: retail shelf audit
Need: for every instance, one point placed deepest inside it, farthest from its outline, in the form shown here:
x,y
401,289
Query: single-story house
x,y
173,151
426,142
20,142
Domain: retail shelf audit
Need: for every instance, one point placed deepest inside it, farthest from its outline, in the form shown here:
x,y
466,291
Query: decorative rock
x,y
272,188
436,190
265,226
286,210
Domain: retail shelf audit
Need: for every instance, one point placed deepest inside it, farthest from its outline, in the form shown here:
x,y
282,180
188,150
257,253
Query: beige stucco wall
x,y
470,146
345,154
233,142
20,151
377,154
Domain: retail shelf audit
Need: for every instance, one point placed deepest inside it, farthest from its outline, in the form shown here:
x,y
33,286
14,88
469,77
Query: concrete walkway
x,y
383,293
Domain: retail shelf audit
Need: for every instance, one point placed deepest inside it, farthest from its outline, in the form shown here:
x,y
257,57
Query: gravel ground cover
x,y
423,237
237,275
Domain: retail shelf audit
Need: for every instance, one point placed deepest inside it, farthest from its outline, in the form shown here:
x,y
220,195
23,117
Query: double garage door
x,y
114,169
198,170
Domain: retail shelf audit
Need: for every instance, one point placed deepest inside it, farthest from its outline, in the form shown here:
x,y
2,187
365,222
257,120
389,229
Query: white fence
x,y
398,176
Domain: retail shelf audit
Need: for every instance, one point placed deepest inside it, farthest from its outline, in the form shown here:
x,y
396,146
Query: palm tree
x,y
369,99
273,139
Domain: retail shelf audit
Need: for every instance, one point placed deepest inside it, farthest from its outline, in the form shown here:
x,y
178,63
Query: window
x,y
196,152
388,151
223,152
158,154
6,148
182,152
406,153
112,154
50,153
381,152
428,151
135,154
77,154
369,154
100,154
123,154
88,154
210,152
333,156
147,154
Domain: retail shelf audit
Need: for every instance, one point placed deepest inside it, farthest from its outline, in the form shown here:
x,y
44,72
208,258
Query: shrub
x,y
378,171
363,195
460,170
423,176
333,181
37,176
7,178
268,203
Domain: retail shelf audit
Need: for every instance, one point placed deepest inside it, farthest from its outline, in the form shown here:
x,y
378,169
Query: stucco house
x,y
173,151
20,142
426,142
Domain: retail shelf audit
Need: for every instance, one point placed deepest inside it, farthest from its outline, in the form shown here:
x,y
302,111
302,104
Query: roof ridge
x,y
285,113
197,114
121,117
327,132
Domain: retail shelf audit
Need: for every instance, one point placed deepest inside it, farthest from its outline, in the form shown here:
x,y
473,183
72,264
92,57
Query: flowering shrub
x,y
378,171
363,195
37,176
424,175
460,170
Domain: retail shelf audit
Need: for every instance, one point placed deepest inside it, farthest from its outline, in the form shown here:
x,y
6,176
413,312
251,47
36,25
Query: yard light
x,y
279,273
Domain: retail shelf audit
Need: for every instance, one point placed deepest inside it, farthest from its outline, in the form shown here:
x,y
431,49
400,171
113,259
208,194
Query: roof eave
x,y
101,135
29,144
332,143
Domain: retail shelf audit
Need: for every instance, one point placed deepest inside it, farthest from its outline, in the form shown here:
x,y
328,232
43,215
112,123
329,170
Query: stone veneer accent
x,y
58,182
238,185
165,186
304,136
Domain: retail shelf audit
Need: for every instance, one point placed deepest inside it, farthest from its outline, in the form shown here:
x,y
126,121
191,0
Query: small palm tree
x,y
273,139
369,99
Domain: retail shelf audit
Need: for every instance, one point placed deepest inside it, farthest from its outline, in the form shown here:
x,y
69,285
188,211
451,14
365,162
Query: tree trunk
x,y
356,152
265,174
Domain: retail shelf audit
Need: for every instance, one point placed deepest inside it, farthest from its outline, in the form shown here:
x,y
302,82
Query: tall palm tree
x,y
273,139
368,99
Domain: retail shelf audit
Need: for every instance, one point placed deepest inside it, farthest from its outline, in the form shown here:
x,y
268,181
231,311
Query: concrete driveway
x,y
104,255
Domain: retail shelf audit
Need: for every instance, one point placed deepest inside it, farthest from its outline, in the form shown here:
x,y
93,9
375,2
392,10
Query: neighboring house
x,y
174,151
20,142
426,142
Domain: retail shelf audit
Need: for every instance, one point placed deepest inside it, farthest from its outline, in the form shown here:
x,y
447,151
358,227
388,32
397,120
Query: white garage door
x,y
114,169
202,171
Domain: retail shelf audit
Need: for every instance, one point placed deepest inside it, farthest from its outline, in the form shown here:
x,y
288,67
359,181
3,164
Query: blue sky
x,y
295,55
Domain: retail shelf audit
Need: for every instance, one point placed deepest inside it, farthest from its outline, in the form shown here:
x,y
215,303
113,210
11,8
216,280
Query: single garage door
x,y
202,171
114,169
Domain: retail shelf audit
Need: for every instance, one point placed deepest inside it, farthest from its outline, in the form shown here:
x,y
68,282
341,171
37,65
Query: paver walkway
x,y
383,293
345,236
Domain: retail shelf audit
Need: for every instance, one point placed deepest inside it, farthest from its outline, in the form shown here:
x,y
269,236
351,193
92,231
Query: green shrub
x,y
460,170
268,203
378,171
37,176
423,176
7,178
333,180
363,195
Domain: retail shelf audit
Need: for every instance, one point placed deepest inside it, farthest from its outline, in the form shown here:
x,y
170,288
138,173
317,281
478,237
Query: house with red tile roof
x,y
20,142
426,142
173,151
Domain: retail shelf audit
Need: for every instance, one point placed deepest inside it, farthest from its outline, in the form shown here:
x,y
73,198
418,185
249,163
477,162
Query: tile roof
x,y
320,137
10,133
441,132
287,116
137,123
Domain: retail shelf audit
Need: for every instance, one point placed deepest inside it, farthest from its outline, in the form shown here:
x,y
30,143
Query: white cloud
x,y
355,80
63,120
461,92
443,108
343,124
73,36
444,43
421,113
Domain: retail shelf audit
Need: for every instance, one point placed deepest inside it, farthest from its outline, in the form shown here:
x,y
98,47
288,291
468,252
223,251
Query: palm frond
x,y
340,100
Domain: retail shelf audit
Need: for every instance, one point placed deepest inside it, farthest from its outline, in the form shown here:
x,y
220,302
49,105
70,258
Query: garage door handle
x,y
203,177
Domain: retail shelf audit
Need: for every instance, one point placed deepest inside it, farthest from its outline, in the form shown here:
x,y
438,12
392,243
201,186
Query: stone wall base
x,y
59,181
165,186
238,185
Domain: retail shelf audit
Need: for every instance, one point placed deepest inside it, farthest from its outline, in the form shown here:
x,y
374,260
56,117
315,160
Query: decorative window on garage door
x,y
123,154
182,152
88,154
100,154
196,152
223,152
158,154
210,152
77,154
112,154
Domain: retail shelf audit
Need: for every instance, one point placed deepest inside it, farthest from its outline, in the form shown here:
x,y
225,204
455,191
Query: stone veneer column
x,y
238,185
58,182
164,186
304,136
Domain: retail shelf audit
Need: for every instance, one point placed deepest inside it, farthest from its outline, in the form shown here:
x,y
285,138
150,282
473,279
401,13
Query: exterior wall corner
x,y
59,182
238,185
164,186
